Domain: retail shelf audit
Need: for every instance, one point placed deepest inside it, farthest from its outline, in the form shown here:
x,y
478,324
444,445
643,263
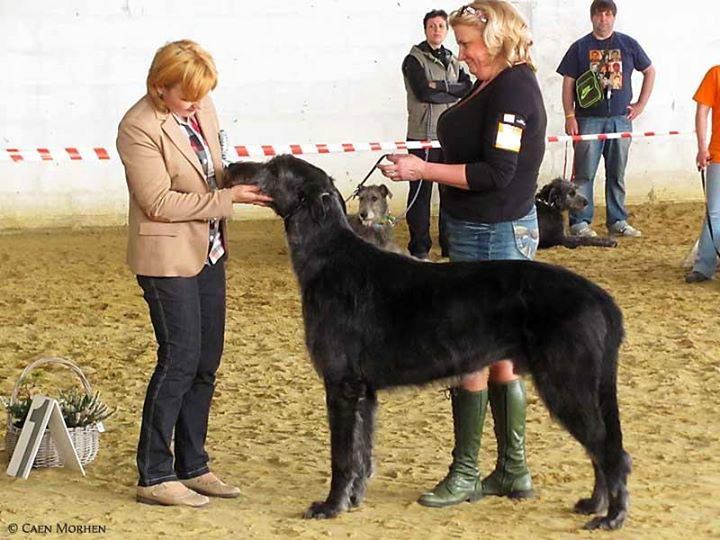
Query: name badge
x,y
508,137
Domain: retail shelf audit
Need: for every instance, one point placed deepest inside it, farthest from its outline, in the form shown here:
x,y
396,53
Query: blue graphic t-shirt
x,y
614,59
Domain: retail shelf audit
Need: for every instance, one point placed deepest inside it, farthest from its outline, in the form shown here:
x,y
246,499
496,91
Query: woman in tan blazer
x,y
177,246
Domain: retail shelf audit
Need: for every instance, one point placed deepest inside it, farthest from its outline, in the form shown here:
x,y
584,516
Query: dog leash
x,y
417,191
565,163
409,206
392,220
372,170
707,212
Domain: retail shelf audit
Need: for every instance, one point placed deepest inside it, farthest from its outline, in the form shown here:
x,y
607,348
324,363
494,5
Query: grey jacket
x,y
423,115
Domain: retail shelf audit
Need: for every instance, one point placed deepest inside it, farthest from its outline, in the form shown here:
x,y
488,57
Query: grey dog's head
x,y
562,195
291,182
373,204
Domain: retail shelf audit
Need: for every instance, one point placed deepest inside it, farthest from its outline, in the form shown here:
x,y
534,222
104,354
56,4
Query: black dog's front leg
x,y
342,406
574,241
364,433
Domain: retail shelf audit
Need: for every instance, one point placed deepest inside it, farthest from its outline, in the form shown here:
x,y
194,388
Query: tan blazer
x,y
170,202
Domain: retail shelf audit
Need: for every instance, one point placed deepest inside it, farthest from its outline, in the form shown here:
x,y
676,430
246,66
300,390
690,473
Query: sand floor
x,y
68,293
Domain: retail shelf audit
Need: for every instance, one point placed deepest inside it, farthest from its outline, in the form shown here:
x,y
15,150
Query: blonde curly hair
x,y
504,30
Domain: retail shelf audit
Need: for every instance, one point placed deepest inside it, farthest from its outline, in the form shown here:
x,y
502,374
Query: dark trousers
x,y
188,316
418,217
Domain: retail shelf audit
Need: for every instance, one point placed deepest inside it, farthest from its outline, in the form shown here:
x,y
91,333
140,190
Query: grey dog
x,y
373,222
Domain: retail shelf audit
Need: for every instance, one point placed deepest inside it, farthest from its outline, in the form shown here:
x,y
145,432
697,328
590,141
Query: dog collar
x,y
542,201
388,220
294,210
381,223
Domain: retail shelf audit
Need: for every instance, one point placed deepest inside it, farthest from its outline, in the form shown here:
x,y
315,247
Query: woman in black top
x,y
493,143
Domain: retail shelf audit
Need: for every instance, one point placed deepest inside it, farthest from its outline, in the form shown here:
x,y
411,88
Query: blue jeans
x,y
471,241
188,316
706,260
587,159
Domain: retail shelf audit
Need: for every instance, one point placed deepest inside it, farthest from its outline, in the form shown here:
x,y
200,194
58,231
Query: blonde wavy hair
x,y
181,62
504,30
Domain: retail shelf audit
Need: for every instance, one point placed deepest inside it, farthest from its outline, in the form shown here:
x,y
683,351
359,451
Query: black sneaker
x,y
695,277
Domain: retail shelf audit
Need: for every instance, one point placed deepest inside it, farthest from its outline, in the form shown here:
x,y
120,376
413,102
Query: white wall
x,y
293,72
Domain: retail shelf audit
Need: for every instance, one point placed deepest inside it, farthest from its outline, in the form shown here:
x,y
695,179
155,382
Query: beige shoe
x,y
172,493
210,485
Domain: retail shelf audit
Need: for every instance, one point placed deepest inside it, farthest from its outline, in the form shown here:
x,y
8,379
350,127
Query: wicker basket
x,y
86,439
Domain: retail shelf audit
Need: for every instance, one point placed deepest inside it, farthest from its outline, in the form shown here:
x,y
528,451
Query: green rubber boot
x,y
462,483
511,477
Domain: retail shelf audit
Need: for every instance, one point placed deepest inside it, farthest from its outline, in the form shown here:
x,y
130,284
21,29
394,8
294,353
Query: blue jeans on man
x,y
587,158
706,260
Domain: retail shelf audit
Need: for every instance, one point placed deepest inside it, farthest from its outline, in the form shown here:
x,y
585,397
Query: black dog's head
x,y
291,182
562,195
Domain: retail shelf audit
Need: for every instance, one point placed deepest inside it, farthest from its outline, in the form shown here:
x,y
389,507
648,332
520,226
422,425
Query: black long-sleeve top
x,y
444,92
499,134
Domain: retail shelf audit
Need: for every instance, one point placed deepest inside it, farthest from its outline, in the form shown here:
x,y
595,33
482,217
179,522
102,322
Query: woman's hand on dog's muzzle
x,y
249,194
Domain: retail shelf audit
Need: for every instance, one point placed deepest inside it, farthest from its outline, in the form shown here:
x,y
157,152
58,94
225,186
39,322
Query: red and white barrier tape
x,y
621,135
102,154
56,154
298,149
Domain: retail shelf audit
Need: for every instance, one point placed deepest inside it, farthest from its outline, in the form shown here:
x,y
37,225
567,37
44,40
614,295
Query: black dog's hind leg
x,y
598,501
364,432
577,409
591,416
614,461
342,400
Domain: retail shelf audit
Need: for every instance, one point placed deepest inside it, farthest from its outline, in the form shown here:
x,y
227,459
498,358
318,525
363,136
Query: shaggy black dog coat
x,y
551,202
376,320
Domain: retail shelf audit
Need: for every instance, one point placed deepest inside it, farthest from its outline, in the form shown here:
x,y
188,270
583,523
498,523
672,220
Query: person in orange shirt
x,y
708,158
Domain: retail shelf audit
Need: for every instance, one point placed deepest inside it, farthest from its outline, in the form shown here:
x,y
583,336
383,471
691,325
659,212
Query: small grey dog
x,y
373,223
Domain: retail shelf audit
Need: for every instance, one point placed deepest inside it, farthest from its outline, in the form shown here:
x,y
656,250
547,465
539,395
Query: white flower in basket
x,y
83,413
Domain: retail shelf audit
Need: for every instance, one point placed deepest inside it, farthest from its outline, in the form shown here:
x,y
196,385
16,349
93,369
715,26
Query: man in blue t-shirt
x,y
614,57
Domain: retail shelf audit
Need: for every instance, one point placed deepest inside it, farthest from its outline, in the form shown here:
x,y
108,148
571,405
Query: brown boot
x,y
210,485
171,493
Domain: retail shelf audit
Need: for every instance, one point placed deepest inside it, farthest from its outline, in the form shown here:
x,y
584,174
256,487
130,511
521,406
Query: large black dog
x,y
551,202
376,320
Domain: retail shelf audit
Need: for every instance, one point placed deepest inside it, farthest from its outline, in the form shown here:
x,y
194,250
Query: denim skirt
x,y
473,241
